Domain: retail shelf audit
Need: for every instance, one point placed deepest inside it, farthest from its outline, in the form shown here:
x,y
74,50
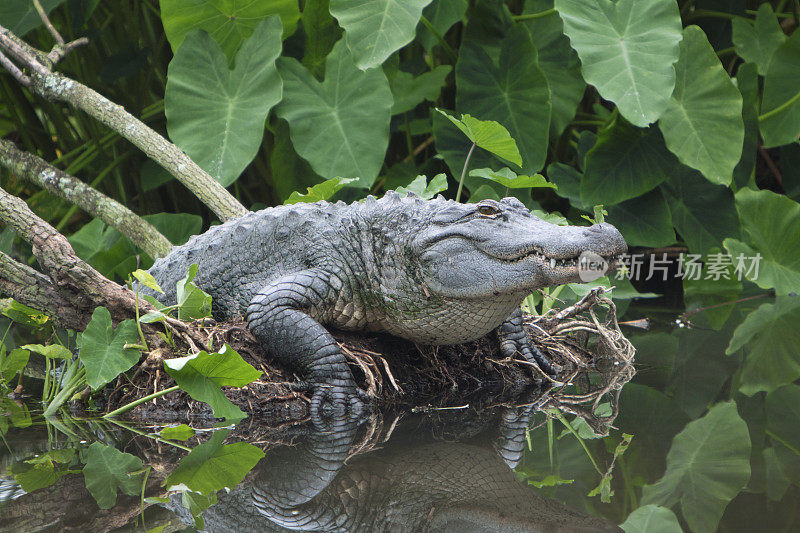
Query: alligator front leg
x,y
514,340
280,318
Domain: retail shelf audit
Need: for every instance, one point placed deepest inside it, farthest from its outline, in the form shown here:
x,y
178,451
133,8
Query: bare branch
x,y
113,213
7,64
60,51
55,86
47,23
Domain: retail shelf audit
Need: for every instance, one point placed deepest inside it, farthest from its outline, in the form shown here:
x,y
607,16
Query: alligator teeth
x,y
553,263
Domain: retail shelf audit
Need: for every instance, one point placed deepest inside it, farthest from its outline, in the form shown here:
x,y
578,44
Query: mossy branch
x,y
38,171
34,289
57,87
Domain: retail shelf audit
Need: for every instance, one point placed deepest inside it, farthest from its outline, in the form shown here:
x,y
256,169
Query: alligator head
x,y
492,248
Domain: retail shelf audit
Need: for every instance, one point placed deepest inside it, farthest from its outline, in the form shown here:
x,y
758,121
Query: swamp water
x,y
704,437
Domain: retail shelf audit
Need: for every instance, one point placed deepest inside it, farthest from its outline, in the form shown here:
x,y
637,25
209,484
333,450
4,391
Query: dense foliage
x,y
680,118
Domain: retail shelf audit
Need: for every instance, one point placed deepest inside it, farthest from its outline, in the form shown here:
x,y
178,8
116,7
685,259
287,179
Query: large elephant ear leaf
x,y
703,123
375,29
340,125
627,49
217,115
229,23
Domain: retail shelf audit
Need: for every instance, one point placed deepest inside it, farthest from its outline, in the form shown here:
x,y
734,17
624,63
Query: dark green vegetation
x,y
680,118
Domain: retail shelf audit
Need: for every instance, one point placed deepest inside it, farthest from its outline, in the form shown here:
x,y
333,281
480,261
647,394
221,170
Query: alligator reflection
x,y
448,474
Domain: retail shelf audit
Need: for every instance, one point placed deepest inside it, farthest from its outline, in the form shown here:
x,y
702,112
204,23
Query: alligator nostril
x,y
597,228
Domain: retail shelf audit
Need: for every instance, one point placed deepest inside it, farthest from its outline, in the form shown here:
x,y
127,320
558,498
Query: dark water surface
x,y
705,437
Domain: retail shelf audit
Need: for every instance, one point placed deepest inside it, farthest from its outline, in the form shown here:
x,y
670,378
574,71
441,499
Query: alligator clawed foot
x,y
330,402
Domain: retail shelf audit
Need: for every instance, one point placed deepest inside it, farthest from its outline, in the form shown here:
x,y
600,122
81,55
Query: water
x,y
704,437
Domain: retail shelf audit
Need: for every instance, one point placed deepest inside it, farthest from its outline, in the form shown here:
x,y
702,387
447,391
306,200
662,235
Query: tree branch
x,y
38,171
34,289
57,87
75,280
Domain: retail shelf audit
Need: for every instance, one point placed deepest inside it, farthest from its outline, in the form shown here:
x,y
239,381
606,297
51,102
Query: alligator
x,y
431,271
412,482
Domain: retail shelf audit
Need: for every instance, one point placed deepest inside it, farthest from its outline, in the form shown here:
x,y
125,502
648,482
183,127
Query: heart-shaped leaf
x,y
627,49
707,465
203,374
341,125
217,115
102,350
489,135
213,466
513,92
702,123
107,469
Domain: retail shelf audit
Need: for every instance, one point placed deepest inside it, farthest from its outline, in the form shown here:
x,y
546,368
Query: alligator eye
x,y
488,210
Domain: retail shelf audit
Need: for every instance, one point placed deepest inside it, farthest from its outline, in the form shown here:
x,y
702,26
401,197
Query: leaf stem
x,y
439,37
532,16
128,407
780,109
464,172
569,427
708,13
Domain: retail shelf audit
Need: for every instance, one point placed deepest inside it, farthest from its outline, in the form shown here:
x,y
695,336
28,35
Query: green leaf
x,y
13,362
644,221
652,519
707,465
409,91
628,49
425,190
212,466
21,313
320,191
193,302
702,123
783,425
513,92
203,374
508,178
771,336
626,162
558,62
146,278
181,432
177,227
771,227
442,14
489,135
229,22
217,115
374,30
704,213
108,469
20,17
53,351
101,348
340,126
38,476
780,107
756,44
